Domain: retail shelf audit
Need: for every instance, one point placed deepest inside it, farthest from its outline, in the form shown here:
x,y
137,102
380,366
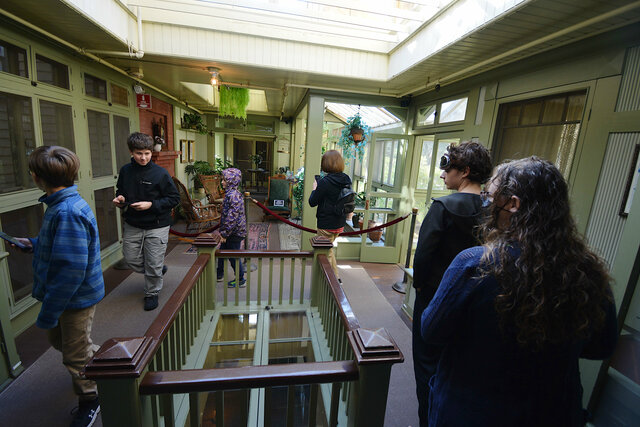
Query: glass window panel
x,y
235,407
52,72
100,142
25,222
57,124
119,95
16,142
95,87
388,158
513,115
120,134
453,111
291,352
575,107
288,325
553,110
426,115
229,356
531,113
106,216
13,59
236,327
425,163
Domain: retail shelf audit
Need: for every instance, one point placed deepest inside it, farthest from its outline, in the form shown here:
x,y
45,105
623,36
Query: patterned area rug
x,y
289,236
258,236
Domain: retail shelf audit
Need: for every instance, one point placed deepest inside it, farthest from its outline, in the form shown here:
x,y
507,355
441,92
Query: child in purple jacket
x,y
233,224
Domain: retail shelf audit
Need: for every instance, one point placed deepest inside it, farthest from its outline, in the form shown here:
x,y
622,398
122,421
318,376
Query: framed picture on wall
x,y
192,151
632,183
184,150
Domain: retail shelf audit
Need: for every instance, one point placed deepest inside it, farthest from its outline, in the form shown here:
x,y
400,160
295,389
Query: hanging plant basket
x,y
354,138
234,102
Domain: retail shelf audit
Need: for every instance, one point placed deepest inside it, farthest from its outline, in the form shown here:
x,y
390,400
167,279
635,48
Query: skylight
x,y
373,116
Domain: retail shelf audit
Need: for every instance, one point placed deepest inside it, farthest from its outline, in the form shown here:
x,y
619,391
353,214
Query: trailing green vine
x,y
234,102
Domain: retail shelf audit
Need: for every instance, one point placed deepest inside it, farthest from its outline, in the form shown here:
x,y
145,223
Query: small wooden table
x,y
258,177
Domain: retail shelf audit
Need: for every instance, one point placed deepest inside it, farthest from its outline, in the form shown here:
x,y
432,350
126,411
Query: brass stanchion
x,y
402,286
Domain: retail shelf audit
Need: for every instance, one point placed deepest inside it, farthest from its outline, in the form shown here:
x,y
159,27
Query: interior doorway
x,y
254,158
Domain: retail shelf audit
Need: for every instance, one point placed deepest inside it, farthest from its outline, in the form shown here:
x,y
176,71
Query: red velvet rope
x,y
177,233
310,230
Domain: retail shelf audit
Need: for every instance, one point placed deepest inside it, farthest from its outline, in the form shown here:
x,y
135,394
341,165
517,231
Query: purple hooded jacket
x,y
233,221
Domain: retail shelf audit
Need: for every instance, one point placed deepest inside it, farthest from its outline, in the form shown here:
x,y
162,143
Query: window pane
x,y
13,59
553,109
426,115
106,216
438,184
236,327
531,113
100,142
52,72
575,107
119,95
425,164
453,111
95,87
513,115
16,142
23,222
288,325
57,124
388,154
120,134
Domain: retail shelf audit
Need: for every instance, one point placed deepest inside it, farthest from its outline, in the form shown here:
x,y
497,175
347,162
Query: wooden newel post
x,y
116,368
321,246
207,244
375,353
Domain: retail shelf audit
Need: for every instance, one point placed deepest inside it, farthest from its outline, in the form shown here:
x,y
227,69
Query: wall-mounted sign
x,y
143,100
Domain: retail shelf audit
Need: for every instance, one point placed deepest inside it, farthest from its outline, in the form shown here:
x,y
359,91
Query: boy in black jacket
x,y
146,194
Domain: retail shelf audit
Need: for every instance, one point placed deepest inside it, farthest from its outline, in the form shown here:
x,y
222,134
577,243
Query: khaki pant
x,y
144,251
72,337
332,256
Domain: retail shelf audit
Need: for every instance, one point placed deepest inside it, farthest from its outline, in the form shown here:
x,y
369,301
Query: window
x,y
427,165
52,72
120,135
451,111
106,216
13,59
100,143
57,125
547,127
16,142
95,87
23,222
387,153
119,95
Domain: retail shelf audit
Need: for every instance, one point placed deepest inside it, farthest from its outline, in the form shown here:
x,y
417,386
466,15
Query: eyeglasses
x,y
445,162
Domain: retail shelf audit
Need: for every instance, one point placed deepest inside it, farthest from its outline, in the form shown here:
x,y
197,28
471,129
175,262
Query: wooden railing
x,y
145,379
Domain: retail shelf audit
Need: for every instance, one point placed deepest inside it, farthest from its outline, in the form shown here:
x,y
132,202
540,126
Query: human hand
x,y
349,216
141,206
223,239
315,185
119,201
26,242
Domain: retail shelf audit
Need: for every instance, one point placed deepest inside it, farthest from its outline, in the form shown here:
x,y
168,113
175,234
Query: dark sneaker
x,y
220,278
150,302
164,269
86,413
232,284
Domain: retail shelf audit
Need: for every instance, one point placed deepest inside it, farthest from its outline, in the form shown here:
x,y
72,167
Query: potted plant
x,y
199,167
194,121
354,137
233,102
257,159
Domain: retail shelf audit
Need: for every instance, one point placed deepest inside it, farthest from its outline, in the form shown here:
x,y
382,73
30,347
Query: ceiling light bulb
x,y
214,79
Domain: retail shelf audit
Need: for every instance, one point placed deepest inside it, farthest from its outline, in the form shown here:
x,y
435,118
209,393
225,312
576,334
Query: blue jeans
x,y
424,362
233,242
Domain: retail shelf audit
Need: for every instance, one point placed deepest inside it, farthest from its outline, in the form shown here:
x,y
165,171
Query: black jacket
x,y
149,183
325,197
447,229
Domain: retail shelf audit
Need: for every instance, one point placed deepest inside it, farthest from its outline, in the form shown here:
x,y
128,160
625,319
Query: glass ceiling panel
x,y
385,20
372,116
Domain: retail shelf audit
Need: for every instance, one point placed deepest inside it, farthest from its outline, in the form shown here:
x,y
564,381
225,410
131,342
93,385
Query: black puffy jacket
x,y
325,197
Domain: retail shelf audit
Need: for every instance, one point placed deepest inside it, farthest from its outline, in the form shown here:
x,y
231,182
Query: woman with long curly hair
x,y
511,318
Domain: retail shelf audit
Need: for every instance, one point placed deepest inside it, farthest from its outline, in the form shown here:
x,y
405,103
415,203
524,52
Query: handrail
x,y
209,380
348,317
156,332
239,253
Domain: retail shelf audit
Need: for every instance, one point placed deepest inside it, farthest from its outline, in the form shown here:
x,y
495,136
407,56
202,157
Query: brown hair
x,y
55,166
139,141
332,162
474,156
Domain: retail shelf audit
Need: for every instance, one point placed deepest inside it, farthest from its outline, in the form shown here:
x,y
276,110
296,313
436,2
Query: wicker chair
x,y
213,189
198,216
279,197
